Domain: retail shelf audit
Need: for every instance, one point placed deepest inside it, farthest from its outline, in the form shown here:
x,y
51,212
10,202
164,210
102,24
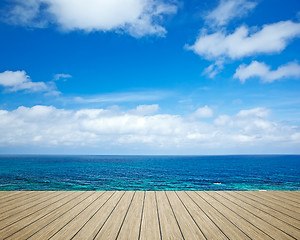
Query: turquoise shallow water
x,y
266,172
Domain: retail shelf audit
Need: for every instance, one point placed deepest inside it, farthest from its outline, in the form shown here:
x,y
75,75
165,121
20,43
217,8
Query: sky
x,y
150,77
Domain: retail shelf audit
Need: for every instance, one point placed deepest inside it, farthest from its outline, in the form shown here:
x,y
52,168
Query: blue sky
x,y
150,77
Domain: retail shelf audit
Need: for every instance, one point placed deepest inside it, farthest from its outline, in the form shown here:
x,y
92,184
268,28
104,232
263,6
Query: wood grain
x,y
149,215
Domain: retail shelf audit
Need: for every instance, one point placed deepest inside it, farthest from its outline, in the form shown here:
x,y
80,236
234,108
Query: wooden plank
x,y
5,194
264,226
250,230
23,210
285,204
54,225
24,203
168,223
213,224
27,231
285,197
8,194
267,209
149,215
131,226
94,224
71,225
18,201
15,196
296,193
150,228
14,224
276,206
188,226
112,226
277,223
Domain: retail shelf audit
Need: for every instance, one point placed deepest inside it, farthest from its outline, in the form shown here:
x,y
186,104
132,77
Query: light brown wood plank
x,y
296,193
52,226
111,228
13,224
71,225
278,207
279,224
168,223
213,224
188,226
24,203
16,202
285,197
149,215
94,224
266,227
131,226
265,208
30,229
25,210
277,200
15,196
7,194
250,230
150,228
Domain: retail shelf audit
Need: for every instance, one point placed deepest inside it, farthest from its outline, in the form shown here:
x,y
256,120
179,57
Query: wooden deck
x,y
149,215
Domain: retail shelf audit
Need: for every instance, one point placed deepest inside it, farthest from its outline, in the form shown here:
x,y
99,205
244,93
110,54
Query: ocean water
x,y
259,172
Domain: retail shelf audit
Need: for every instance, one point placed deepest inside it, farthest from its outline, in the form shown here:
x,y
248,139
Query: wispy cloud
x,y
228,10
63,76
123,97
136,17
213,69
264,72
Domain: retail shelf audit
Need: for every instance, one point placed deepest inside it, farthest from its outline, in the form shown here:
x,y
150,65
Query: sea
x,y
140,173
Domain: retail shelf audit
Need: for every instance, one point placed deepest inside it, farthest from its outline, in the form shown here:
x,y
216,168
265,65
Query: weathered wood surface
x,y
150,215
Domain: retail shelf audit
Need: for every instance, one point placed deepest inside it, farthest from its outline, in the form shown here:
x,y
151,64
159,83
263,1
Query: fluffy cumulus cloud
x,y
264,72
203,112
218,44
228,10
137,17
271,38
49,126
14,81
145,109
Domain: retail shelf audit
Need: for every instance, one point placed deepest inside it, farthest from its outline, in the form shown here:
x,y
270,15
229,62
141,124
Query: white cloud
x,y
254,113
42,126
251,125
204,112
137,17
227,10
262,71
272,38
123,97
19,80
145,109
212,70
61,76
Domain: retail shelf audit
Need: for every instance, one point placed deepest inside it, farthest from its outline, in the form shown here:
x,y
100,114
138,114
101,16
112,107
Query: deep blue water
x,y
265,172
